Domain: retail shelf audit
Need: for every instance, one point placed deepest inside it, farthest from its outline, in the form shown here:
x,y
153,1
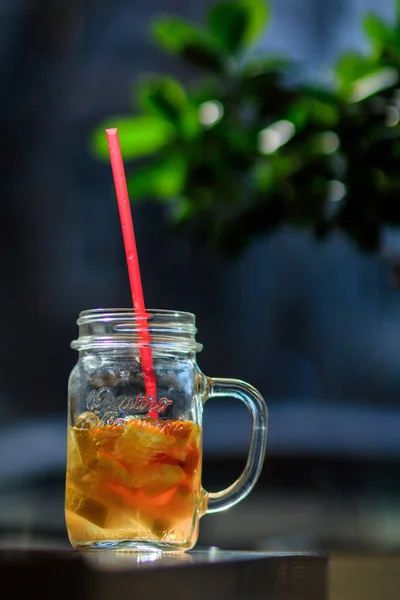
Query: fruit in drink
x,y
136,479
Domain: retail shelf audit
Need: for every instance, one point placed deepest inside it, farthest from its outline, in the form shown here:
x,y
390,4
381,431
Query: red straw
x,y
135,279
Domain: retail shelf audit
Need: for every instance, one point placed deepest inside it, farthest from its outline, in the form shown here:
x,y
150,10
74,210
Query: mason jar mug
x,y
134,459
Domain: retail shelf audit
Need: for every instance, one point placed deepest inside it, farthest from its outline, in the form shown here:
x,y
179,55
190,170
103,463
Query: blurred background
x,y
314,325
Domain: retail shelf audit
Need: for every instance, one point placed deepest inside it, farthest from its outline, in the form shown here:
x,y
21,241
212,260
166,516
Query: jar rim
x,y
93,314
110,327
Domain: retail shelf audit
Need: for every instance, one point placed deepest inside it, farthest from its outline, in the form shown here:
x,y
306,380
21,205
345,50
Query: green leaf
x,y
351,68
178,36
307,110
229,21
139,136
238,23
173,33
163,96
259,18
377,30
369,85
164,179
189,125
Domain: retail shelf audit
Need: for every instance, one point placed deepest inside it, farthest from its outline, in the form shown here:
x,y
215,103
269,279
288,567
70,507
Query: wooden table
x,y
199,575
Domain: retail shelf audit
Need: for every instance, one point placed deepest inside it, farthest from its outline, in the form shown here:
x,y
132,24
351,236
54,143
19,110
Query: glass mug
x,y
134,461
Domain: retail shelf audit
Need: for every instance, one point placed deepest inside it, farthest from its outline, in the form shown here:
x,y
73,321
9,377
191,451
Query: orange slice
x,y
162,480
111,469
81,449
140,442
105,436
84,506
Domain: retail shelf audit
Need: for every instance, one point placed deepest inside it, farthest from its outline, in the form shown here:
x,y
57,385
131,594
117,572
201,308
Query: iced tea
x,y
137,479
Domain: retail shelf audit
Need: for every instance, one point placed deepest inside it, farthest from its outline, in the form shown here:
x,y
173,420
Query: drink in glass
x,y
134,461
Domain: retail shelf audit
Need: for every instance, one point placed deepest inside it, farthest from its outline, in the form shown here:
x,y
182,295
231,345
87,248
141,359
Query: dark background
x,y
315,327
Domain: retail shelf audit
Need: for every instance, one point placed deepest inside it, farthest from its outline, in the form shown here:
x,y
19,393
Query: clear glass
x,y
134,461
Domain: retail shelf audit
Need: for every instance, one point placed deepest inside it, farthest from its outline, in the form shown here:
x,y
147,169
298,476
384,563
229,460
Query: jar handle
x,y
234,388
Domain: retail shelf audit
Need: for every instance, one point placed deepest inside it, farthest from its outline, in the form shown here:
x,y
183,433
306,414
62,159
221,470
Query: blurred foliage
x,y
240,151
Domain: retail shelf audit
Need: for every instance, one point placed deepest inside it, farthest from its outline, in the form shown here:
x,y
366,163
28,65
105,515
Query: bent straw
x,y
135,279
